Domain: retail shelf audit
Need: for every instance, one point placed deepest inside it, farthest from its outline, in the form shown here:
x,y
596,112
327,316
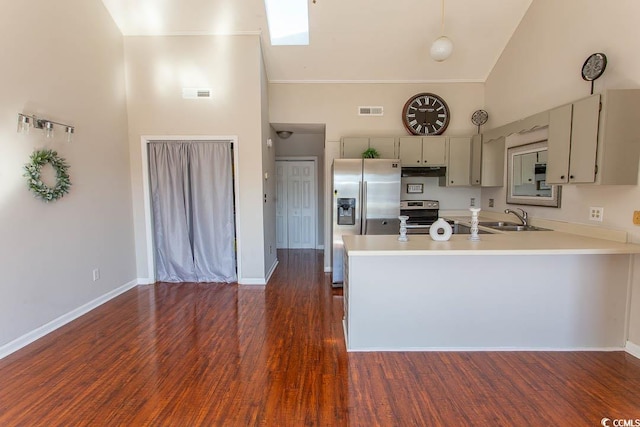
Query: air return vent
x,y
196,93
370,111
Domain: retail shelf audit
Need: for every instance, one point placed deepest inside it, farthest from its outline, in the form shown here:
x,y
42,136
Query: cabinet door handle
x,y
570,176
561,176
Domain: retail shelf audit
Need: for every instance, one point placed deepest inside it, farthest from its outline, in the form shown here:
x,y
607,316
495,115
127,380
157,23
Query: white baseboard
x,y
272,269
45,329
253,282
633,349
482,349
259,281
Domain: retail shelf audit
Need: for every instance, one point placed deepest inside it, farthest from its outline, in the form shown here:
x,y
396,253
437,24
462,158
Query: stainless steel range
x,y
421,213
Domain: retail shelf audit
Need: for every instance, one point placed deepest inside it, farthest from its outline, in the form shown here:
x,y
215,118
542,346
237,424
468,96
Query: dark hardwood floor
x,y
228,355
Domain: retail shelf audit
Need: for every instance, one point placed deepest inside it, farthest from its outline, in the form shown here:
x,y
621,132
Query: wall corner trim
x,y
272,269
633,349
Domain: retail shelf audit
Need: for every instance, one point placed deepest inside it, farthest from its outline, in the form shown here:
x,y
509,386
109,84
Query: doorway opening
x,y
296,203
230,202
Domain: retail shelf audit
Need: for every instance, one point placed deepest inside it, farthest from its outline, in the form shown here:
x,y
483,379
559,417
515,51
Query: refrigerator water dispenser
x,y
346,211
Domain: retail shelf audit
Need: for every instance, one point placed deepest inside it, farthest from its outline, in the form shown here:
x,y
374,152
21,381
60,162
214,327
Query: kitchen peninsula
x,y
511,290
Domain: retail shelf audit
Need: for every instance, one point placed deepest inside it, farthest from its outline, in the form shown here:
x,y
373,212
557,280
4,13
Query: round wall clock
x,y
594,66
425,114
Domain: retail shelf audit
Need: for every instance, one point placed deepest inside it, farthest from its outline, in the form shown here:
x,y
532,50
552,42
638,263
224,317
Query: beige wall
x,y
62,60
540,69
268,183
336,105
157,70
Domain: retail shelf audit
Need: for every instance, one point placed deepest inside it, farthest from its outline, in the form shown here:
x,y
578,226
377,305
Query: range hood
x,y
422,171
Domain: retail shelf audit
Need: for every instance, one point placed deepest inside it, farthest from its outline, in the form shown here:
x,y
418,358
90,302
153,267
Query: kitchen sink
x,y
496,223
465,229
516,227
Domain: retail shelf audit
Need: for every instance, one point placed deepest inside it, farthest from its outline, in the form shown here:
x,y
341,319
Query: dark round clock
x,y
594,66
425,114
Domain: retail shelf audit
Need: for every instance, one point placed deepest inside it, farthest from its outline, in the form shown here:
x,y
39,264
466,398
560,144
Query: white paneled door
x,y
296,204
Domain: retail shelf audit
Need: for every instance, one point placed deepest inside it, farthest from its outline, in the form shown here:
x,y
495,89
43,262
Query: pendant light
x,y
442,48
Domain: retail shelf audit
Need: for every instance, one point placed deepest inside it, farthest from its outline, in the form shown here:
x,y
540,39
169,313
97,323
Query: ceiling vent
x,y
370,111
194,93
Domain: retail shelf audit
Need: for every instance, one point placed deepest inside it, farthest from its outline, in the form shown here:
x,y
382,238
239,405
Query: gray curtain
x,y
192,197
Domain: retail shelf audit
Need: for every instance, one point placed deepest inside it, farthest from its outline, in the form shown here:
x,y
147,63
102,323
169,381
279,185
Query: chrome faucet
x,y
522,217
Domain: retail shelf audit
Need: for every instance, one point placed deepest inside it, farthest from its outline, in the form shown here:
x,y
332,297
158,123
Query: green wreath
x,y
33,170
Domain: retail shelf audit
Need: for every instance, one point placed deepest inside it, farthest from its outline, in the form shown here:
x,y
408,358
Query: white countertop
x,y
500,243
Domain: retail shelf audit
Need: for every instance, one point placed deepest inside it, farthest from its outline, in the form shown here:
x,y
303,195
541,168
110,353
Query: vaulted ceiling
x,y
350,40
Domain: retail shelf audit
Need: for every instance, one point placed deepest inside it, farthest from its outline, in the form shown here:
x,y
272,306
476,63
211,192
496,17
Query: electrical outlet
x,y
490,203
473,201
596,214
96,274
636,217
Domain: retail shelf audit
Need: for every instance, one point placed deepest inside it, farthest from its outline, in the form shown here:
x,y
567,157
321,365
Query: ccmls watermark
x,y
607,422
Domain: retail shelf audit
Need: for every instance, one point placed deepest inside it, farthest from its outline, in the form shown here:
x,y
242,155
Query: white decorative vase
x,y
403,228
474,224
440,230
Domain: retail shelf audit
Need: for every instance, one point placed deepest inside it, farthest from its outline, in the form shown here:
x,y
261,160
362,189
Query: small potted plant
x,y
370,153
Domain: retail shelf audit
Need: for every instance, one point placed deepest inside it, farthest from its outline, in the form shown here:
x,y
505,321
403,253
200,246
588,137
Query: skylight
x,y
288,22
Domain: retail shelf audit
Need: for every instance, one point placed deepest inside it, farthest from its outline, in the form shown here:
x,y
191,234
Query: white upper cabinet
x,y
476,159
590,142
352,147
573,142
423,151
493,160
459,166
386,146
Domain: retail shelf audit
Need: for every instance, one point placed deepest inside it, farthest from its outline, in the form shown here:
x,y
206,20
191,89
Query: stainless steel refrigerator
x,y
366,200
